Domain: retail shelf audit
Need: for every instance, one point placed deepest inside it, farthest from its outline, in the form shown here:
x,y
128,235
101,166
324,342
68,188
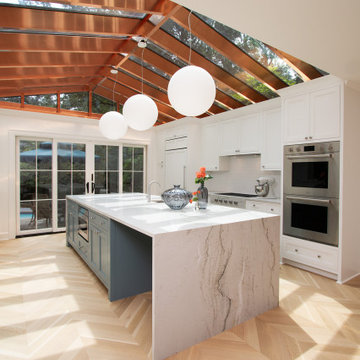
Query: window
x,y
35,184
47,100
13,99
101,105
78,101
133,169
106,169
70,175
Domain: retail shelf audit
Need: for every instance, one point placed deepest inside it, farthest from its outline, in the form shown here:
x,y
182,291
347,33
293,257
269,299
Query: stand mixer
x,y
263,186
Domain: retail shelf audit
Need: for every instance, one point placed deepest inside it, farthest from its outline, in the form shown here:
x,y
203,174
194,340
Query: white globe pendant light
x,y
113,125
140,112
191,91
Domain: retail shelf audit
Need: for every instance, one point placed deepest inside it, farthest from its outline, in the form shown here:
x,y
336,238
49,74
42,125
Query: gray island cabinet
x,y
208,270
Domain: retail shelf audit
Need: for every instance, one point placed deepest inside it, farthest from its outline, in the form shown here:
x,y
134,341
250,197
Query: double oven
x,y
311,192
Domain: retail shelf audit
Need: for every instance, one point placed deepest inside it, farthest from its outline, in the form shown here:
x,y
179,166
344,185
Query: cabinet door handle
x,y
87,187
306,137
296,250
237,151
310,137
319,256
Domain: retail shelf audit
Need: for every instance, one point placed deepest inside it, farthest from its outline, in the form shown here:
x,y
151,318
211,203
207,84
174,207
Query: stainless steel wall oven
x,y
311,192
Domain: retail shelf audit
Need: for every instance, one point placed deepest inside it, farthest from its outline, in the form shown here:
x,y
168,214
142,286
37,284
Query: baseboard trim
x,y
311,269
4,236
348,279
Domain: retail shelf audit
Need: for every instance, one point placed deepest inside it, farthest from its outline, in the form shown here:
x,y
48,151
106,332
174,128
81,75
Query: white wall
x,y
241,176
350,236
23,123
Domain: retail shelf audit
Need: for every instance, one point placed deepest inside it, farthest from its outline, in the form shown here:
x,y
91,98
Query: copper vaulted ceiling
x,y
62,47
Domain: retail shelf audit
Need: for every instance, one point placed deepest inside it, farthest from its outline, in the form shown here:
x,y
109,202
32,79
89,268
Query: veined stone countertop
x,y
153,218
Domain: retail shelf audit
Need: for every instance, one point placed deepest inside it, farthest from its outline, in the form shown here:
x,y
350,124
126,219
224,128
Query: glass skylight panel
x,y
149,67
44,32
221,105
257,50
73,8
236,96
215,57
165,54
139,79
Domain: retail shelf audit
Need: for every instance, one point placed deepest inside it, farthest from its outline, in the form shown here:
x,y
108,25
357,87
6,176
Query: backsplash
x,y
241,176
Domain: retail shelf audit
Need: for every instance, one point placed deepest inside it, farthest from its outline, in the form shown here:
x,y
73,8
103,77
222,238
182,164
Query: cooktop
x,y
237,194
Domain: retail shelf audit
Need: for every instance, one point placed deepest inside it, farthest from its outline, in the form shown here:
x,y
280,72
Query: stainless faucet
x,y
148,196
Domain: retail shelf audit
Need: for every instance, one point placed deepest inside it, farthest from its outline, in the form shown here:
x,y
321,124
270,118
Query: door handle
x,y
319,156
87,187
184,176
92,187
320,201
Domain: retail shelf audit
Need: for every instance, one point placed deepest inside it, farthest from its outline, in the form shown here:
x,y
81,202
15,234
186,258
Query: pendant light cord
x,y
114,105
189,24
142,71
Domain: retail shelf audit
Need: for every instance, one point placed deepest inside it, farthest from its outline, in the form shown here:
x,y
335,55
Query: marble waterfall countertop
x,y
151,218
211,269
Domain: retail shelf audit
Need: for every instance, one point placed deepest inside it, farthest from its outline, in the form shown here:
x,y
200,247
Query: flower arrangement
x,y
201,177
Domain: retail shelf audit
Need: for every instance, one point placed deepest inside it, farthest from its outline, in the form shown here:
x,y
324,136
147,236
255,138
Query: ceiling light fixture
x,y
192,89
112,124
140,110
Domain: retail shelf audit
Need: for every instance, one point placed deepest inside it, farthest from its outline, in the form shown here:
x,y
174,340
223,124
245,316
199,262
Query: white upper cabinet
x,y
241,136
271,155
314,115
297,114
325,113
210,154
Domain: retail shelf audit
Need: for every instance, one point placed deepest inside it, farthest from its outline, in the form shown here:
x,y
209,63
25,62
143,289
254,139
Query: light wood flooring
x,y
53,307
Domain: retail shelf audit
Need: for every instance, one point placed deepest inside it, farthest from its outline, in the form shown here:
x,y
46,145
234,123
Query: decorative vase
x,y
176,198
202,196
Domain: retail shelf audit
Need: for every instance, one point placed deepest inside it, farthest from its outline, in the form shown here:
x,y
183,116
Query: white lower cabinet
x,y
268,207
318,256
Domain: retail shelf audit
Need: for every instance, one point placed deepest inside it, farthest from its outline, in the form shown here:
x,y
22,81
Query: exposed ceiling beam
x,y
15,59
143,6
36,19
46,72
228,49
305,70
122,94
128,91
56,43
136,85
176,47
167,7
42,90
135,69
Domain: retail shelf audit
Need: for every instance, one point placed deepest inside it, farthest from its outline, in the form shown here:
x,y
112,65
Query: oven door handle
x,y
320,201
316,156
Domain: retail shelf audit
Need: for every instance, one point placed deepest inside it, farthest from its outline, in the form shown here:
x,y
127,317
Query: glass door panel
x,y
133,169
106,169
71,174
35,181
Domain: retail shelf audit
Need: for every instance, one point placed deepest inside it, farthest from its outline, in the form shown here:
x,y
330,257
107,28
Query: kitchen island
x,y
208,270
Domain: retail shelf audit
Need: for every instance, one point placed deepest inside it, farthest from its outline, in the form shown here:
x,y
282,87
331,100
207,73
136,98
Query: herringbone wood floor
x,y
53,307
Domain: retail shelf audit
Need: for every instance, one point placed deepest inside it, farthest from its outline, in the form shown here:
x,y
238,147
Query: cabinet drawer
x,y
99,221
312,254
271,208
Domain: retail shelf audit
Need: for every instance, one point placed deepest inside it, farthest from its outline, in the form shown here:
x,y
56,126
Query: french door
x,y
50,169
